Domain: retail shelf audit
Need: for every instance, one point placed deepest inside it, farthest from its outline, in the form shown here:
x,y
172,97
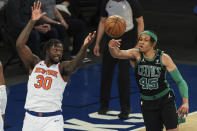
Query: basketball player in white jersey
x,y
3,97
47,78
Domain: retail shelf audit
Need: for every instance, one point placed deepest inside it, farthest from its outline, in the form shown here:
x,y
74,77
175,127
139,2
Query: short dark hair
x,y
152,40
50,43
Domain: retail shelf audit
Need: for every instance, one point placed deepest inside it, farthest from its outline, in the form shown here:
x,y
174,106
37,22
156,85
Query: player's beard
x,y
53,61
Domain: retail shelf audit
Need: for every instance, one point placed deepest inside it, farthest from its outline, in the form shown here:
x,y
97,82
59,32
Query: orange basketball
x,y
115,26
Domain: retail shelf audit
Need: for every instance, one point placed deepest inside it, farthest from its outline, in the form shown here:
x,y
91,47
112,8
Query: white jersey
x,y
45,89
122,9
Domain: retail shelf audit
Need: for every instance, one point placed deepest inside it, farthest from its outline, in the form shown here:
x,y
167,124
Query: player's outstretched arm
x,y
28,58
114,48
69,67
182,85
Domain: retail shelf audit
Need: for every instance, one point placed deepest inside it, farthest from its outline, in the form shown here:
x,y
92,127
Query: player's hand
x,y
97,50
89,39
183,110
114,43
36,12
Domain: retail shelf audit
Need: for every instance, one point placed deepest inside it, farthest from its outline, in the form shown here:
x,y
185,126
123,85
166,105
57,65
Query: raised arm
x,y
114,48
28,58
140,23
68,67
182,85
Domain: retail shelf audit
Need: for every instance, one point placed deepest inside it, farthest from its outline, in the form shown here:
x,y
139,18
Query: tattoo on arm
x,y
24,51
71,66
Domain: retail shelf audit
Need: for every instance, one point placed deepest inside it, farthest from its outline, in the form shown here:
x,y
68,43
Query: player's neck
x,y
47,62
149,54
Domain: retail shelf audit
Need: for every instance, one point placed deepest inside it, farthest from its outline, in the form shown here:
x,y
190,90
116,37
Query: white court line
x,y
192,113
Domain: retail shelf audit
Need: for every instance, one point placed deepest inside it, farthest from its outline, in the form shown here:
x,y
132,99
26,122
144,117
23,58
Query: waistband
x,y
156,96
44,114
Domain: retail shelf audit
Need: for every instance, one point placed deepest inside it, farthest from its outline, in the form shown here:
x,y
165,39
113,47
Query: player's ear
x,y
154,45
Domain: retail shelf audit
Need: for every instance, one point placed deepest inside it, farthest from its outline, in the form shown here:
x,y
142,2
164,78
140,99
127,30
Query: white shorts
x,y
1,122
35,123
3,99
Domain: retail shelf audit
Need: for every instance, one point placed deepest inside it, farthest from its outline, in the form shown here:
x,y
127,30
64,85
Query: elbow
x,y
71,71
18,43
114,55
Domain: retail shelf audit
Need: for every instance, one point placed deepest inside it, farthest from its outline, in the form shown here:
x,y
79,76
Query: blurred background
x,y
173,20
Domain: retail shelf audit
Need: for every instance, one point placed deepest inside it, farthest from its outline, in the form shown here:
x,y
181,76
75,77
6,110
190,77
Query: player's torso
x,y
122,9
151,75
45,88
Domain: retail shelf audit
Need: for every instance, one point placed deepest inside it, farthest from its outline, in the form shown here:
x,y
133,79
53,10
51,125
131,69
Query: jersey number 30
x,y
45,83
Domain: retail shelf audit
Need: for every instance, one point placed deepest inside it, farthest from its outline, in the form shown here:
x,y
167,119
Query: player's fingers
x,y
34,6
179,110
187,112
44,13
182,111
40,4
98,53
94,34
95,51
181,116
117,44
119,40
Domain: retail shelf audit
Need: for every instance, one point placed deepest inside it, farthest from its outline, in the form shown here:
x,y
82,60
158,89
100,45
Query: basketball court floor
x,y
81,102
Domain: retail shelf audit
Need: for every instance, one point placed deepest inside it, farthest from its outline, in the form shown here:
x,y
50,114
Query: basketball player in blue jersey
x,y
3,97
47,78
157,99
